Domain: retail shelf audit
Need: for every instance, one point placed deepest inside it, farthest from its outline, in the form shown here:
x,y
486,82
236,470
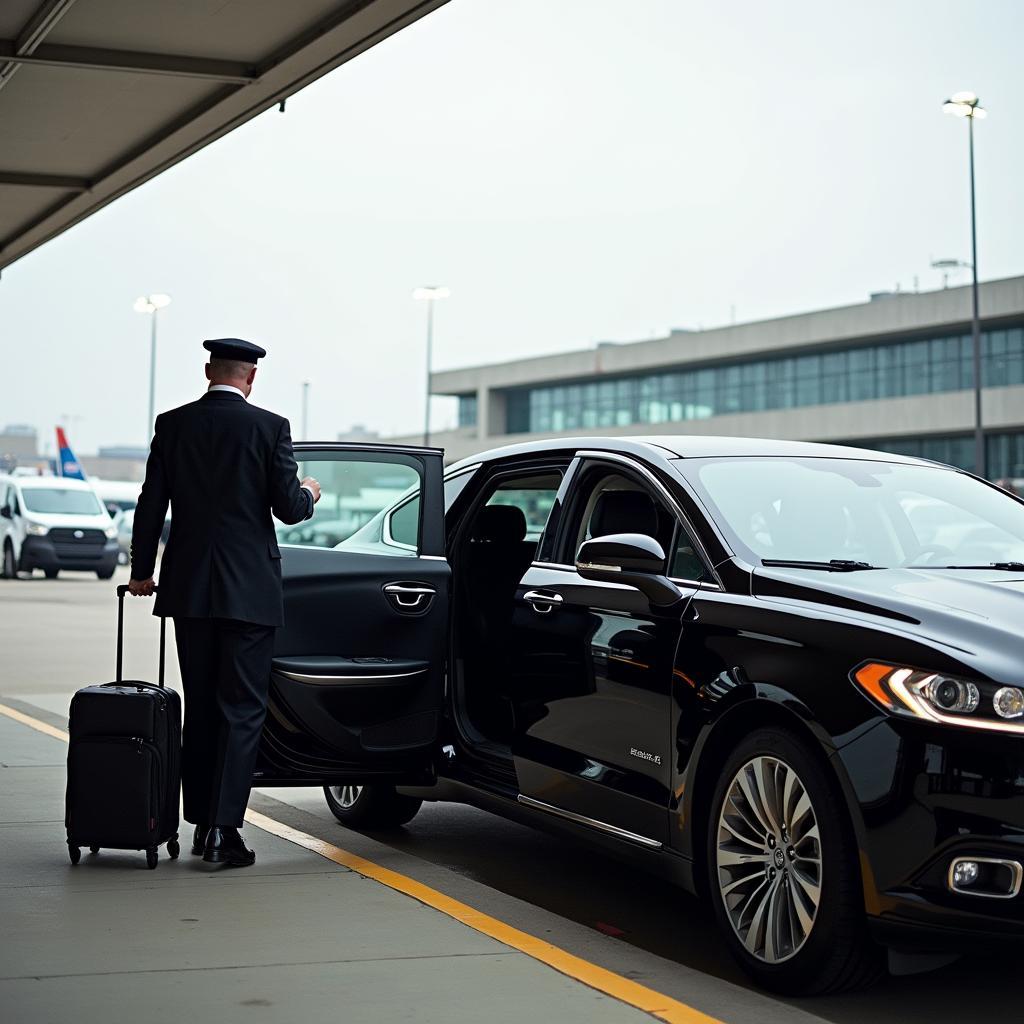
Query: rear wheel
x,y
9,567
782,863
372,807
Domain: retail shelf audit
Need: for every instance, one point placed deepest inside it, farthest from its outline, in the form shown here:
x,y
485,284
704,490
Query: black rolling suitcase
x,y
124,763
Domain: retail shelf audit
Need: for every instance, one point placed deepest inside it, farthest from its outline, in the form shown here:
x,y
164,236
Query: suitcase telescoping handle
x,y
121,591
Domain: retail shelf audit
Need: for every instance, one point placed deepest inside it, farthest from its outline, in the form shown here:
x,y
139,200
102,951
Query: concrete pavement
x,y
56,636
296,937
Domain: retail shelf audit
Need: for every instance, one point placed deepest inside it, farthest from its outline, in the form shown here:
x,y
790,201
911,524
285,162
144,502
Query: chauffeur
x,y
224,466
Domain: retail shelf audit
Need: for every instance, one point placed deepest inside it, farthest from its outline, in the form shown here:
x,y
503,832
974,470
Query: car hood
x,y
978,611
100,521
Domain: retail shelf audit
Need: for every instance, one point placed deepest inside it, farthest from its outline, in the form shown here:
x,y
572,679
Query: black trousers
x,y
225,670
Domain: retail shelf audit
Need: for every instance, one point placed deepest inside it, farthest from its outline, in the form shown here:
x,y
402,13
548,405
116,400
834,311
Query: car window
x,y
61,501
534,496
394,529
611,502
355,488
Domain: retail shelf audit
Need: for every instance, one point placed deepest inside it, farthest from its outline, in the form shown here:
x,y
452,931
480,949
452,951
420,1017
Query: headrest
x,y
500,524
624,512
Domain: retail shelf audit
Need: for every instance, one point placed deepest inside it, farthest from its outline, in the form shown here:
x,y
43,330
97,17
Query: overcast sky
x,y
573,170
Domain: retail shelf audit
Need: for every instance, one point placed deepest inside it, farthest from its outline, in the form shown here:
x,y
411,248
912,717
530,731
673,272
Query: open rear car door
x,y
358,676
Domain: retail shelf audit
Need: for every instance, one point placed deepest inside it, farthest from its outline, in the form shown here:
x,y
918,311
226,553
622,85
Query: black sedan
x,y
790,676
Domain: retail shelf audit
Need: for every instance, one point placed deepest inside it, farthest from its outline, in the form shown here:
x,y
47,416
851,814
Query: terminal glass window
x,y
890,370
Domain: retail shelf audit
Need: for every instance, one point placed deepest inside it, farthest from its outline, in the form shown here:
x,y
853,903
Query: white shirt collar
x,y
226,387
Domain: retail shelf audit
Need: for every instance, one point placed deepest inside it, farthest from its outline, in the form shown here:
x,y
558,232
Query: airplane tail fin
x,y
67,463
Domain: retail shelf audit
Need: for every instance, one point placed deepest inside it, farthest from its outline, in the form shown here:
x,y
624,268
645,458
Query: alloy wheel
x,y
768,854
346,796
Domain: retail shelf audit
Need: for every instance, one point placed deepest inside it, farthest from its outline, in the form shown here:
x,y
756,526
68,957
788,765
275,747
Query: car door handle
x,y
543,603
410,597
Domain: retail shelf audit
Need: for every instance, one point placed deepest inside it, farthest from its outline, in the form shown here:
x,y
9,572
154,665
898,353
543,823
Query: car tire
x,y
9,567
51,574
371,807
105,574
788,900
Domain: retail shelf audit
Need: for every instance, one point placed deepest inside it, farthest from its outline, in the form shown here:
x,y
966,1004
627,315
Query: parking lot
x,y
58,635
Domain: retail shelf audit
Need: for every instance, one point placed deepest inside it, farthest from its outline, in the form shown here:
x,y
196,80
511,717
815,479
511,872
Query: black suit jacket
x,y
224,466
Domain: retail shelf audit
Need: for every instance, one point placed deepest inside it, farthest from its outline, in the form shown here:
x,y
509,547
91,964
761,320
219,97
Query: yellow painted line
x,y
34,723
630,992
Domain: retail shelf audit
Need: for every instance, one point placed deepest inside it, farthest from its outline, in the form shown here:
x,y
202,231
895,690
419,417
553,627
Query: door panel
x,y
593,668
359,666
592,682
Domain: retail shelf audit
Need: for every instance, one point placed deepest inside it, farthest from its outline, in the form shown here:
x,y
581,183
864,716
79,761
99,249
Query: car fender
x,y
746,706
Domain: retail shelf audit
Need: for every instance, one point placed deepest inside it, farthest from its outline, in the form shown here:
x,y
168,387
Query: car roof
x,y
692,446
62,482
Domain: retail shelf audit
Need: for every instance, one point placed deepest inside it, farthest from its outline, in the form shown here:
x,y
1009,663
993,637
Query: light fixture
x,y
151,303
431,292
938,698
964,104
1009,702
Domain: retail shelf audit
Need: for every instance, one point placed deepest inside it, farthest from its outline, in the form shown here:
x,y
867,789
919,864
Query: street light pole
x,y
305,410
966,104
430,294
979,435
152,368
151,304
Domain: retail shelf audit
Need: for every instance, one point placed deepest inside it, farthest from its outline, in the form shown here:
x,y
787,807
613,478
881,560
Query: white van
x,y
53,523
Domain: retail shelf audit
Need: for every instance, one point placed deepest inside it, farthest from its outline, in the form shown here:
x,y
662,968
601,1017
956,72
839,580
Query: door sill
x,y
580,819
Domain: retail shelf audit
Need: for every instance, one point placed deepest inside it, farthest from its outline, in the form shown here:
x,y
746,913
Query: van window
x,y
57,501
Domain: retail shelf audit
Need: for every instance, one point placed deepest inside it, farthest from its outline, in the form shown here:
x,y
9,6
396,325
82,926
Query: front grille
x,y
70,535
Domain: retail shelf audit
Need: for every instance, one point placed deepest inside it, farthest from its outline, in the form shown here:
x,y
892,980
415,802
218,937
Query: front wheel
x,y
105,574
371,807
51,574
783,871
9,567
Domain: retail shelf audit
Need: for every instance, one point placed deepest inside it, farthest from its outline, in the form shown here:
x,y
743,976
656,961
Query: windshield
x,y
882,513
57,501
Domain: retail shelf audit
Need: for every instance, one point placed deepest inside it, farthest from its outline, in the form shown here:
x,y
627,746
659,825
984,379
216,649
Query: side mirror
x,y
6,512
633,559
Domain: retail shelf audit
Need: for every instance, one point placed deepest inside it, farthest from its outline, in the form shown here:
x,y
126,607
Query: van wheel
x,y
783,871
371,807
104,574
51,574
9,568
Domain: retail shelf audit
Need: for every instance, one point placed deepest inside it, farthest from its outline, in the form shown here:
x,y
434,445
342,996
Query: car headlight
x,y
937,697
36,529
111,532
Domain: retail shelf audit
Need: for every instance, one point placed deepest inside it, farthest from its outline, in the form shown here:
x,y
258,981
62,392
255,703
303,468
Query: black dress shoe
x,y
199,840
225,846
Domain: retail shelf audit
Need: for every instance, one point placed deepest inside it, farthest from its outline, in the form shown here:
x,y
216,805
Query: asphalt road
x,y
58,635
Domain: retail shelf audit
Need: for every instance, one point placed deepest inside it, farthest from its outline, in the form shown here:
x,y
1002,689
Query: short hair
x,y
232,369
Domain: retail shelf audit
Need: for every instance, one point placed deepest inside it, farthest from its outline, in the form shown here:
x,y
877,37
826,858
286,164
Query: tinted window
x,y
636,510
355,488
534,496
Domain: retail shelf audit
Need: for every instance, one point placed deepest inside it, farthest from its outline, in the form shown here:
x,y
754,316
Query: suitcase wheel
x,y
173,849
74,853
94,849
151,857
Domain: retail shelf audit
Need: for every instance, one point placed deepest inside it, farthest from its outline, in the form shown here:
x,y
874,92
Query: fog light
x,y
965,873
1008,702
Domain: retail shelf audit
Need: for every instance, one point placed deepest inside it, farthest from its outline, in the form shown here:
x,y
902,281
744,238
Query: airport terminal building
x,y
894,373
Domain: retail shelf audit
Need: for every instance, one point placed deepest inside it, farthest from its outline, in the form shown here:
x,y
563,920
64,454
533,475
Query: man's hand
x,y
314,487
141,588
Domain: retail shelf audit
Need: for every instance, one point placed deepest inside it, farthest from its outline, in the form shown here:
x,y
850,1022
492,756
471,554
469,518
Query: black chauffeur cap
x,y
234,348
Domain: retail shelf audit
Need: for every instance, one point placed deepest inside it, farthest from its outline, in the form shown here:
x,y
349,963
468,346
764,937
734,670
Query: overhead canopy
x,y
98,96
